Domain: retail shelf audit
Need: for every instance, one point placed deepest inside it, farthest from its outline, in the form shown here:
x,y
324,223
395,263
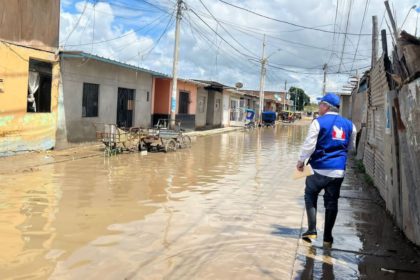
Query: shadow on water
x,y
285,231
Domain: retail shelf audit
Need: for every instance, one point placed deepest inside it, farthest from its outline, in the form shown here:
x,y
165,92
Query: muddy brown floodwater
x,y
225,209
208,212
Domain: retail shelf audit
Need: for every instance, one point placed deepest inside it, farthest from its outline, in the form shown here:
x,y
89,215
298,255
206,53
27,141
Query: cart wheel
x,y
170,146
185,141
142,147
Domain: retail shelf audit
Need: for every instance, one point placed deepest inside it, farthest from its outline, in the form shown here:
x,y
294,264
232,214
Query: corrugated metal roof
x,y
213,83
79,54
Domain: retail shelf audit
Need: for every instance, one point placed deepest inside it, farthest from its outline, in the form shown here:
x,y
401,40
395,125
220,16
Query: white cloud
x,y
204,55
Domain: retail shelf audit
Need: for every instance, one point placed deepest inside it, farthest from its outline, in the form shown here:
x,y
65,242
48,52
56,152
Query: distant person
x,y
329,138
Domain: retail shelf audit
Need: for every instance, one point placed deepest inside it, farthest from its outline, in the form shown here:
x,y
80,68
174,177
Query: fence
x,y
390,140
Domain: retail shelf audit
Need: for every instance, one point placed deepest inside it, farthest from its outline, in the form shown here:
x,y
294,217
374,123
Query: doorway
x,y
184,102
125,107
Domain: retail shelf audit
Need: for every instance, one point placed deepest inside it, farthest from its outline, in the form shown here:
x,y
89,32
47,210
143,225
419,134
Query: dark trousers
x,y
331,186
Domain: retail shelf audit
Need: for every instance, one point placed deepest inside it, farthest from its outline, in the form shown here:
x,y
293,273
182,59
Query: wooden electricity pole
x,y
375,32
324,87
175,65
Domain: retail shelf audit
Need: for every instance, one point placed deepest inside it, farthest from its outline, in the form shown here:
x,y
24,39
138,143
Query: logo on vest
x,y
338,133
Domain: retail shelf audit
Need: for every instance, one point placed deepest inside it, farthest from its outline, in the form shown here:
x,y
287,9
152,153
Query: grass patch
x,y
369,180
360,167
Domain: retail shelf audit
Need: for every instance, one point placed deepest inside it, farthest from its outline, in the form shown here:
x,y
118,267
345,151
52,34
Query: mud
x,y
224,209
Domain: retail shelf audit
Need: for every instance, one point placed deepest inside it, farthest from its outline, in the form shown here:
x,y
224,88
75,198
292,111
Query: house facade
x,y
233,108
214,111
189,101
98,91
29,75
274,101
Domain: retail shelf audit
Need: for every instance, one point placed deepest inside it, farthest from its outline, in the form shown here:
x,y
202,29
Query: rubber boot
x,y
330,216
311,232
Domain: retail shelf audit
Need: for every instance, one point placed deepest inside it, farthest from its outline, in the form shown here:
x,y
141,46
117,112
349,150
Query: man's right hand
x,y
300,165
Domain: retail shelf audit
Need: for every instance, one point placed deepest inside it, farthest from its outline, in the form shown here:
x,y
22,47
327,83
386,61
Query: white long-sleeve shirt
x,y
309,146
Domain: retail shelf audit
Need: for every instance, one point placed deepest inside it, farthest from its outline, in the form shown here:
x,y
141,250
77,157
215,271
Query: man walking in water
x,y
329,138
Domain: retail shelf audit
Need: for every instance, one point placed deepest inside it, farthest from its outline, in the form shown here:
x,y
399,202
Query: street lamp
x,y
412,8
417,20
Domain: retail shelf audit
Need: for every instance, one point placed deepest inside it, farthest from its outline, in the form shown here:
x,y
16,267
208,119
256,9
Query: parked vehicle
x,y
287,116
249,119
118,140
161,138
268,119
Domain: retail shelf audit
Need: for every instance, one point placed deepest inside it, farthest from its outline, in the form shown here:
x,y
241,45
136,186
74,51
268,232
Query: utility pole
x,y
391,19
375,32
384,42
175,65
285,95
324,88
262,76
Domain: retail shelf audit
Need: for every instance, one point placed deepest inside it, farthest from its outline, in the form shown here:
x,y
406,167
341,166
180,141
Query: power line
x,y
233,47
153,5
290,23
361,28
93,26
345,35
248,32
121,36
131,8
77,23
228,55
168,26
335,26
230,35
256,60
261,31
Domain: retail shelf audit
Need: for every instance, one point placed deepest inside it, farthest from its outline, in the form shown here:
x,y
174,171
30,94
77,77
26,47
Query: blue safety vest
x,y
332,144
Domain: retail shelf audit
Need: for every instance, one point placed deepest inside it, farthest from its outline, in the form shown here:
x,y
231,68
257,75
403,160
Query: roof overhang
x,y
83,55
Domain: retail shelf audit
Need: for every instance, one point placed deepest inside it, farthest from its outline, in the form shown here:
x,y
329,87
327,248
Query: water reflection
x,y
319,266
202,213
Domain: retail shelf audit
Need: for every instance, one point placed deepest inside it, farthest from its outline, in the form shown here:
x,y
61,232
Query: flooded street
x,y
226,208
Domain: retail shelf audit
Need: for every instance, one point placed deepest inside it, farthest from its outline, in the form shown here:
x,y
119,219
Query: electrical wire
x,y
153,5
77,23
194,27
345,34
229,44
361,28
167,27
335,26
121,36
221,25
253,33
290,23
93,26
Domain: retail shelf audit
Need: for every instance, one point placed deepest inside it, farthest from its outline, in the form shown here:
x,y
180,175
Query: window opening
x,y
39,87
90,100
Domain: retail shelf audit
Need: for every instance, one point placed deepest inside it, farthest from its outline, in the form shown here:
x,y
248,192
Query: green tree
x,y
299,97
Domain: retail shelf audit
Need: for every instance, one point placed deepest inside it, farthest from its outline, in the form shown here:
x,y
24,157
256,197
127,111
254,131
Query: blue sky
x,y
223,43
